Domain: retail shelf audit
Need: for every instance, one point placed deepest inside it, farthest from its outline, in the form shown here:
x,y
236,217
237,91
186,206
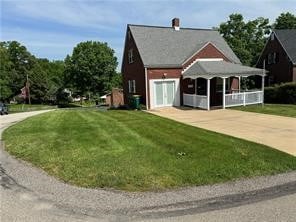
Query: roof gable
x,y
164,46
287,38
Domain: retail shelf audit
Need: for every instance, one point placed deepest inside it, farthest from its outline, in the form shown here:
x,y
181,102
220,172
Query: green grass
x,y
274,109
136,151
17,108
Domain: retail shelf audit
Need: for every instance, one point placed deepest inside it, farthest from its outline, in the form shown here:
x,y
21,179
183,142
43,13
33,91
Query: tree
x,y
5,69
54,75
246,39
45,77
116,81
22,62
285,21
91,68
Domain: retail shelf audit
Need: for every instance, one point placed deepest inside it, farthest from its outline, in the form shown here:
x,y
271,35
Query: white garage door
x,y
164,93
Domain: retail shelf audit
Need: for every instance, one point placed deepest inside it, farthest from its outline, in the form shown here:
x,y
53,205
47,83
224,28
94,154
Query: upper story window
x,y
272,58
130,56
129,35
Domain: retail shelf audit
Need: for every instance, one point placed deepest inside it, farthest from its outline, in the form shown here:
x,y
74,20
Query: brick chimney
x,y
176,23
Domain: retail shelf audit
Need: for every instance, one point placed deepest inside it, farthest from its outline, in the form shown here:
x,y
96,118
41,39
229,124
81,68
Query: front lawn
x,y
274,109
17,108
136,151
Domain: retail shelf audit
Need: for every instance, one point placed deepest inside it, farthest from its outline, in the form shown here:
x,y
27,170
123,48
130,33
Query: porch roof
x,y
223,69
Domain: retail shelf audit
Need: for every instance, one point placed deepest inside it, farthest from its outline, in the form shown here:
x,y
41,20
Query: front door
x,y
164,93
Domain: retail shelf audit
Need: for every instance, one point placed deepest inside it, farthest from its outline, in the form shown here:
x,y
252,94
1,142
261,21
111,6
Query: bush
x,y
284,93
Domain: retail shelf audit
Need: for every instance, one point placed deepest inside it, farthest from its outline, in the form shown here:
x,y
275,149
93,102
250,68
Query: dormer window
x,y
130,56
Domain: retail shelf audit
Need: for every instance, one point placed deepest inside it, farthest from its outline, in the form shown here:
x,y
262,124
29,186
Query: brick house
x,y
173,66
114,98
279,55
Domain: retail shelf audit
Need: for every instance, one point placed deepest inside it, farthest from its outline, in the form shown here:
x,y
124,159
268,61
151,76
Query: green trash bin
x,y
135,101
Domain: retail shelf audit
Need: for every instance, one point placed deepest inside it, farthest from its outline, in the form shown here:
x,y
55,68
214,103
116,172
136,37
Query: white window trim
x,y
151,91
132,86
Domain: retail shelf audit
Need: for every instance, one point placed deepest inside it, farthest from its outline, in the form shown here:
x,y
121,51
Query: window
x,y
132,86
129,35
130,56
272,58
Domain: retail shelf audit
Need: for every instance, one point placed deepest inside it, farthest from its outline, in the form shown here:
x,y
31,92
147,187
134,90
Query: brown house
x,y
173,66
279,55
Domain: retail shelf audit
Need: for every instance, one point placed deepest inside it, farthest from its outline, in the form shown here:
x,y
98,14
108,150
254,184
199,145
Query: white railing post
x,y
223,93
244,98
263,90
208,93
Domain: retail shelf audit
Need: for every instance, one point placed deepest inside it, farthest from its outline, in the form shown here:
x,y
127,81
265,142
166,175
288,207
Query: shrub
x,y
284,93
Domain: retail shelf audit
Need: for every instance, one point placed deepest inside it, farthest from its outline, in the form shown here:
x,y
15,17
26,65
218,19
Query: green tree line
x,y
90,70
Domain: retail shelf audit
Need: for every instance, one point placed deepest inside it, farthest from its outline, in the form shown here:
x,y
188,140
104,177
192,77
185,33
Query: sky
x,y
51,28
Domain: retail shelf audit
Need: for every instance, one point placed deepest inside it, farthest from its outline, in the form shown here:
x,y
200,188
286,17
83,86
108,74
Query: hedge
x,y
284,93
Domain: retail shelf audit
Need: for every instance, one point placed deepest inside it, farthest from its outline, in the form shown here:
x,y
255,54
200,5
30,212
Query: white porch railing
x,y
243,98
195,100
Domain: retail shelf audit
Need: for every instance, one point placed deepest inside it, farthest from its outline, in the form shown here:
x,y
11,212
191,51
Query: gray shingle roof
x,y
220,68
287,38
166,47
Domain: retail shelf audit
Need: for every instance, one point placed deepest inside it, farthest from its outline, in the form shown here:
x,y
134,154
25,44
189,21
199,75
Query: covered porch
x,y
218,84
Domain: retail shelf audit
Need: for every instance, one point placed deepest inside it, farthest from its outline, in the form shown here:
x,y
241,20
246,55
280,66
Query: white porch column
x,y
263,78
239,84
224,93
208,93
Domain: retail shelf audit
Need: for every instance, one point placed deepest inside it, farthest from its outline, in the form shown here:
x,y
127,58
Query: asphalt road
x,y
274,210
29,194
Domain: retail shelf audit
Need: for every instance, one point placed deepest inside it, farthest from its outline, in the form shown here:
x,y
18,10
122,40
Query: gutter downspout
x,y
146,88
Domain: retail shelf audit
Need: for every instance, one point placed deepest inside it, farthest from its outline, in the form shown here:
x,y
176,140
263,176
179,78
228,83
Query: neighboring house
x,y
173,66
279,55
114,99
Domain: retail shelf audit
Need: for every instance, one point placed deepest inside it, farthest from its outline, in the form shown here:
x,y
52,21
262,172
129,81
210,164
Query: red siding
x,y
134,71
209,51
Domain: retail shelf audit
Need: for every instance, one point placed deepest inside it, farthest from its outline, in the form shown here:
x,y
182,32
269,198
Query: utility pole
x,y
28,88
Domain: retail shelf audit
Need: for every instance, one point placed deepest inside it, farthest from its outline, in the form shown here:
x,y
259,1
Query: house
x,y
279,55
174,66
114,99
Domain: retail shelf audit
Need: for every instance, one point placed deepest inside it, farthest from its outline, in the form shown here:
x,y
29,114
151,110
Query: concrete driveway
x,y
274,131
